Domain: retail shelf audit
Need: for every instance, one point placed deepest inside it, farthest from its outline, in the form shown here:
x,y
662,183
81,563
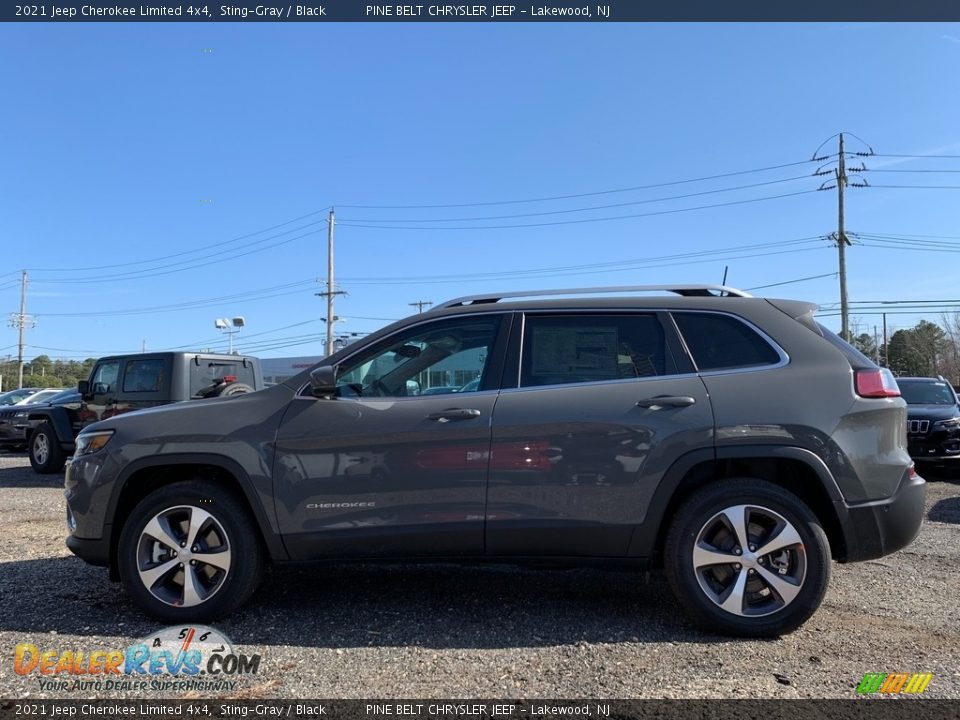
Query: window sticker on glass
x,y
560,352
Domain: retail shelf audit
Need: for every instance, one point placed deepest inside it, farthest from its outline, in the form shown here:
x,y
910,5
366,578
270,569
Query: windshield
x,y
923,392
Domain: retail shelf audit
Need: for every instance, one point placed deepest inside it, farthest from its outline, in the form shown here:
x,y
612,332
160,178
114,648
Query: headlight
x,y
20,415
92,442
947,424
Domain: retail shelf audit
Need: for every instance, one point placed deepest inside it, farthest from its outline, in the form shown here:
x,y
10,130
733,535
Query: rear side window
x,y
565,349
721,342
144,376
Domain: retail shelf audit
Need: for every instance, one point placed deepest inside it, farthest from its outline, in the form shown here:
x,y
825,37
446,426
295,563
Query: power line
x,y
587,194
152,272
585,220
918,187
791,282
620,264
942,157
237,297
577,210
188,252
903,170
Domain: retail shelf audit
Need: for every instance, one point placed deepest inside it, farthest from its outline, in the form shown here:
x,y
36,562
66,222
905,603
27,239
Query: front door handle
x,y
454,414
662,401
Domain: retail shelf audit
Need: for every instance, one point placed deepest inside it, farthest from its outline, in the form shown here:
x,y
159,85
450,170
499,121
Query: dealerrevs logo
x,y
192,657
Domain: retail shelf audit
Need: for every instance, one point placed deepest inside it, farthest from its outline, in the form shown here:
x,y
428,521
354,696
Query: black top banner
x,y
602,11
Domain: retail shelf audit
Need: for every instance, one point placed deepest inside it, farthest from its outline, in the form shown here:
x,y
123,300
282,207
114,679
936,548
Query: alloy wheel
x,y
41,448
749,560
183,556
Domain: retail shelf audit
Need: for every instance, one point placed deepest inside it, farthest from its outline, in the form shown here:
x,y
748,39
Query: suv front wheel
x,y
46,455
189,552
746,557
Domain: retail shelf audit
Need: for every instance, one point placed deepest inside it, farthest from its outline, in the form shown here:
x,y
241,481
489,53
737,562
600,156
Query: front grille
x,y
918,426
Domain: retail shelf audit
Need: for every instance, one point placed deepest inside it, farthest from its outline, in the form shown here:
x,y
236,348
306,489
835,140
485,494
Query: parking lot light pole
x,y
230,326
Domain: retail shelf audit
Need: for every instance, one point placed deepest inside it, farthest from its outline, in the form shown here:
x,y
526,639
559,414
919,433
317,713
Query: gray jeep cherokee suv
x,y
729,439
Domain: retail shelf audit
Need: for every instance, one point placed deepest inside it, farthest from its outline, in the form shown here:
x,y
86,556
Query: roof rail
x,y
685,290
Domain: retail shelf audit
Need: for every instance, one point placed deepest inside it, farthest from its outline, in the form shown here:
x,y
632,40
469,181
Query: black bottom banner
x,y
915,708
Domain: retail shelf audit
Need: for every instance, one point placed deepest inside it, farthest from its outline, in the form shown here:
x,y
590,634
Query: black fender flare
x,y
643,541
268,530
59,419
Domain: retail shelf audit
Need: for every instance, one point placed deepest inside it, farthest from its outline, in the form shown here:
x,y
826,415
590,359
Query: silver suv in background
x,y
729,439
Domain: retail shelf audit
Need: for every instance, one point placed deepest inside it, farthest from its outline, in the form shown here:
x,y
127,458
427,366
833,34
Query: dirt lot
x,y
444,631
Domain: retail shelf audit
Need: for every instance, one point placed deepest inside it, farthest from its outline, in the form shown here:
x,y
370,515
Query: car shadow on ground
x,y
19,477
946,511
347,606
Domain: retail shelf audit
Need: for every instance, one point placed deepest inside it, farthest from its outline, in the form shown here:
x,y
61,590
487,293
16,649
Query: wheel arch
x,y
59,419
795,469
149,474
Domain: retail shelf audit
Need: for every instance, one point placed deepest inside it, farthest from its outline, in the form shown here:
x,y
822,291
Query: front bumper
x,y
934,446
877,528
94,551
87,499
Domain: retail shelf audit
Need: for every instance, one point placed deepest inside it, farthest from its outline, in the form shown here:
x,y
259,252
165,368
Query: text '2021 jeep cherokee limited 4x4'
x,y
730,438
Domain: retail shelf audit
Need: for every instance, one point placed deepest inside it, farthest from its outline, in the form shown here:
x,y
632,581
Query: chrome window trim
x,y
492,311
784,358
617,381
578,311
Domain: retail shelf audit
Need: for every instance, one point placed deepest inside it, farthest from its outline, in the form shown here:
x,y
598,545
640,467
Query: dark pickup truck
x,y
123,383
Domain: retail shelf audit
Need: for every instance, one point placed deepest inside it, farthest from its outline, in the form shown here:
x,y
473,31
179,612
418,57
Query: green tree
x,y
865,344
921,350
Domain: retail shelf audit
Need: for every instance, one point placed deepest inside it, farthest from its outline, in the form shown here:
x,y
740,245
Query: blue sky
x,y
144,165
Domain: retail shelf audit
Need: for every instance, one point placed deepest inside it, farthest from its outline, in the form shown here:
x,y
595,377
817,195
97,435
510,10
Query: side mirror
x,y
83,387
323,381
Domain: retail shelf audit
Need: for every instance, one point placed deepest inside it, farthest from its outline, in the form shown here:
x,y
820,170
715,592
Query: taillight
x,y
876,383
233,378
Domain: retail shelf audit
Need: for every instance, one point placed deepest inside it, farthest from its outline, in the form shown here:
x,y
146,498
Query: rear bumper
x,y
878,528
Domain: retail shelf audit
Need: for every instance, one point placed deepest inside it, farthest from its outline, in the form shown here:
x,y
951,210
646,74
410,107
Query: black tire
x,y
236,388
229,528
763,611
46,454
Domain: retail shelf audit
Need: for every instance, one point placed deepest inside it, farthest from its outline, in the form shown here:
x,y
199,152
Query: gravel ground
x,y
445,631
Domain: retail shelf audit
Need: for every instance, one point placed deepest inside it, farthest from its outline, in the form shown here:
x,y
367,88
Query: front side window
x,y
105,378
563,349
446,356
721,342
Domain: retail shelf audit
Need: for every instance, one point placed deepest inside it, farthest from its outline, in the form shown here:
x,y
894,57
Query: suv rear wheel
x,y
189,552
746,557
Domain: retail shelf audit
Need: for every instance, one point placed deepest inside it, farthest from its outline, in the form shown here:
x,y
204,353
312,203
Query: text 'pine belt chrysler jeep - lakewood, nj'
x,y
729,439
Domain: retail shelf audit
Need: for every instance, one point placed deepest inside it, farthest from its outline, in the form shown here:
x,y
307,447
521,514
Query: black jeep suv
x,y
730,439
933,420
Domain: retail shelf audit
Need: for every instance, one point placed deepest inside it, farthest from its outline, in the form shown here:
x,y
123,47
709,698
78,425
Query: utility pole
x,y
331,291
22,322
842,243
886,348
419,304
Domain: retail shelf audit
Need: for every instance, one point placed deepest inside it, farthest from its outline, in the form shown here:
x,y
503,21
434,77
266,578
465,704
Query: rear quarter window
x,y
721,342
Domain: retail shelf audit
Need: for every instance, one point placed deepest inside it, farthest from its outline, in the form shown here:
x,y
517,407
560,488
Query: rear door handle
x,y
662,401
454,414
